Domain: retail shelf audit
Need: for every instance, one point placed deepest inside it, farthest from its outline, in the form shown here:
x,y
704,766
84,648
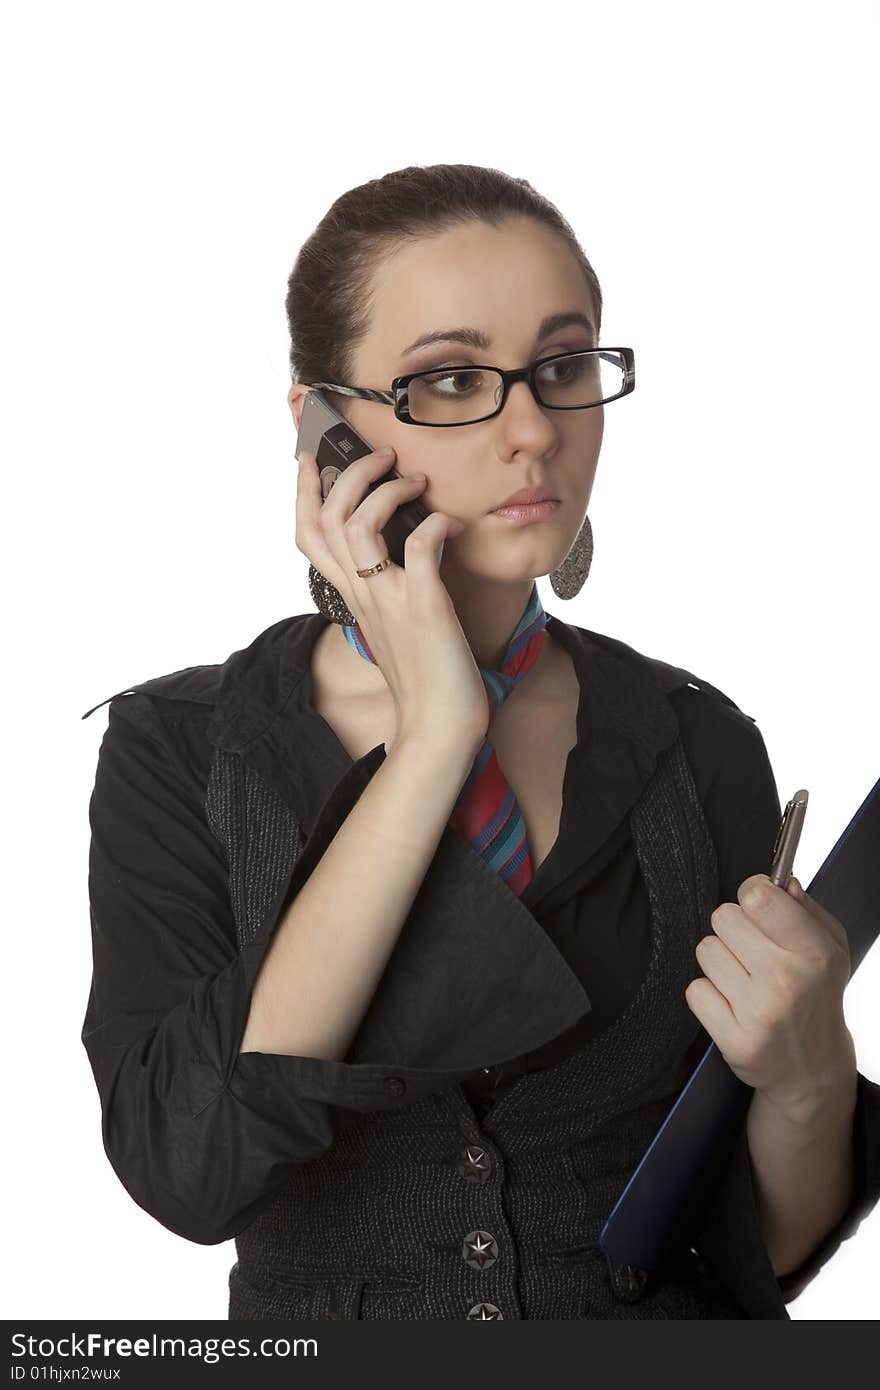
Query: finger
x,y
777,914
350,487
309,533
321,520
376,510
712,1010
744,938
726,971
362,532
342,505
423,548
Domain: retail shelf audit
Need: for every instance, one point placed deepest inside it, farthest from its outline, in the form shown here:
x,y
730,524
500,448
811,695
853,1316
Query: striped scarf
x,y
487,813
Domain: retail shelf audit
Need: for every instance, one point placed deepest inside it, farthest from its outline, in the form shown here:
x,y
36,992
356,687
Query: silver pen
x,y
787,838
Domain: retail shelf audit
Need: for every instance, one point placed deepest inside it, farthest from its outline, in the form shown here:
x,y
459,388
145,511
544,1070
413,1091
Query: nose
x,y
527,419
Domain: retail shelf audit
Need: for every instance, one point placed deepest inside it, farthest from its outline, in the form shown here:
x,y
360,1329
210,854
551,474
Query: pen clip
x,y
786,816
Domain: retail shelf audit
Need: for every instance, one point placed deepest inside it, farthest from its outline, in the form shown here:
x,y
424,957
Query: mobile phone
x,y
335,444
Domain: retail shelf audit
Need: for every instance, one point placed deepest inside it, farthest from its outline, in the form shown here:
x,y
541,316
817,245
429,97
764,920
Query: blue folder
x,y
665,1202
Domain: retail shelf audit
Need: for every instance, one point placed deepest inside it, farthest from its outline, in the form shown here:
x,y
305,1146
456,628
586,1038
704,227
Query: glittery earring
x,y
569,578
328,600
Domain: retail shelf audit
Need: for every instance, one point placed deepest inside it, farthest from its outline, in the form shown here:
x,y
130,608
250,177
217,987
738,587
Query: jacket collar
x,y
252,687
255,683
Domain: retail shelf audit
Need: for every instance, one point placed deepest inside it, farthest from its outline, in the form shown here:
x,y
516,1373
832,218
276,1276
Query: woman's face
x,y
501,281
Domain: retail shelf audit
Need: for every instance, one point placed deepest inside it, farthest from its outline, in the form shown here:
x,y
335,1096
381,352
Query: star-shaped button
x,y
486,1312
480,1249
476,1165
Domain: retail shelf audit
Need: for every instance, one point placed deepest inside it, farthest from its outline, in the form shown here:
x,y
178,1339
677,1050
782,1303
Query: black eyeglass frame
x,y
398,396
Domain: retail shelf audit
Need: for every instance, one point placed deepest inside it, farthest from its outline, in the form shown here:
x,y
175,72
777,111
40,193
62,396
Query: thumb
x,y
832,923
796,890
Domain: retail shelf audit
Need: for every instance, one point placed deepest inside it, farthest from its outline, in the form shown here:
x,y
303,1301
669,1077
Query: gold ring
x,y
375,569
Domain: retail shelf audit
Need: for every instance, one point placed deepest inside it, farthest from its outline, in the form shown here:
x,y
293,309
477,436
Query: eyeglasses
x,y
449,396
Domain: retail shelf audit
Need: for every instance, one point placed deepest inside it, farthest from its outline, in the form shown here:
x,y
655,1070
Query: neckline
x,y
316,624
531,894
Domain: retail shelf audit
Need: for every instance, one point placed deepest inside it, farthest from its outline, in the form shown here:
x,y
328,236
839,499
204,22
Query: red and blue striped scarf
x,y
487,813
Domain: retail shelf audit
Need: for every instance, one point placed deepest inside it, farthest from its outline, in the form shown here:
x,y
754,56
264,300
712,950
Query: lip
x,y
525,496
521,514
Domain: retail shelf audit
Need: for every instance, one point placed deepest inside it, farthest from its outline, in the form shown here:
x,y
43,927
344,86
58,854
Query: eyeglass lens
x,y
463,394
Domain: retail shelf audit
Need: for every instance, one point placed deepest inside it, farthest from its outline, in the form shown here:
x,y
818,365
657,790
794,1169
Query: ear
x,y
296,398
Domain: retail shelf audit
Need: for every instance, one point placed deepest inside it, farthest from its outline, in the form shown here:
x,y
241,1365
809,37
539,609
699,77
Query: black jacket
x,y
179,932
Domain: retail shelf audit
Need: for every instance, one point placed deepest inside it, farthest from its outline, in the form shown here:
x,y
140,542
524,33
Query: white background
x,y
162,165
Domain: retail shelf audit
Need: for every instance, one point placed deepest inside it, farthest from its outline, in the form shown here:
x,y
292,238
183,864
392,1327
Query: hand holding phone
x,y
405,612
336,445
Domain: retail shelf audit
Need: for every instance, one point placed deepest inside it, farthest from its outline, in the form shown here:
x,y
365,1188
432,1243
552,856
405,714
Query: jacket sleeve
x,y
200,1135
743,810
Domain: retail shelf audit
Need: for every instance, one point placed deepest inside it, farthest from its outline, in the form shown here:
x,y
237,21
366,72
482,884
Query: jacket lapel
x,y
472,980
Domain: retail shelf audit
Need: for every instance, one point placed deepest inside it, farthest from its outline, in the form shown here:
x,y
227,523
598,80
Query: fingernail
x,y
385,452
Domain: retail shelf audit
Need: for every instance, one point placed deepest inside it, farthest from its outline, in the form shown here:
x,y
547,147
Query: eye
x,y
562,370
456,382
566,369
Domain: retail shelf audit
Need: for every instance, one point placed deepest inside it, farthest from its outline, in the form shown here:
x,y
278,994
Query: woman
x,y
396,912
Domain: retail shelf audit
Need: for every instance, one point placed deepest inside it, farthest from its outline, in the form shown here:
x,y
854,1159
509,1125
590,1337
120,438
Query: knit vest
x,y
427,1211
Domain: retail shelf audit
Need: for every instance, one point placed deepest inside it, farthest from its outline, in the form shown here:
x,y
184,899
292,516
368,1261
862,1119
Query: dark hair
x,y
328,291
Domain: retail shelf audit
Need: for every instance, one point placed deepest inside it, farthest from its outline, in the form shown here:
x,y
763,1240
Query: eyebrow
x,y
475,338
